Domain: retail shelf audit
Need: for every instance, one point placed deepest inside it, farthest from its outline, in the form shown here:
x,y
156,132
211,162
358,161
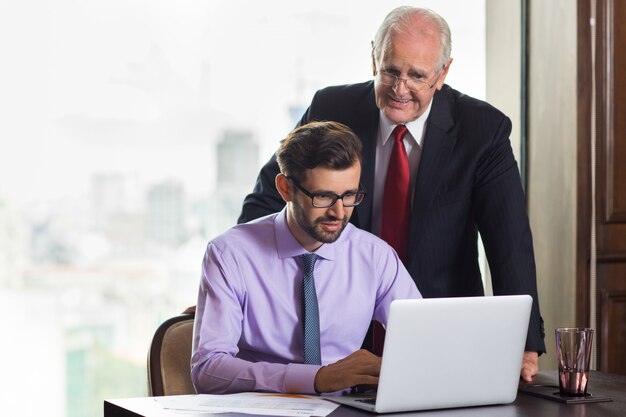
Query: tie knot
x,y
309,261
398,132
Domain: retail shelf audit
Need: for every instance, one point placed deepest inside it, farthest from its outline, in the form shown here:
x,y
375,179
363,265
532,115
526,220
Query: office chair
x,y
169,358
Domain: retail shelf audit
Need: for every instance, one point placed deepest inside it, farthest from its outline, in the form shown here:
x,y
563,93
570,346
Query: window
x,y
131,132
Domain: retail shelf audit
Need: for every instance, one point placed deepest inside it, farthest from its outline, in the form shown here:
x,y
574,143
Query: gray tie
x,y
310,313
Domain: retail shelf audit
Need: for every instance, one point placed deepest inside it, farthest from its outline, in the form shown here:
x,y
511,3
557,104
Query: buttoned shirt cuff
x,y
300,378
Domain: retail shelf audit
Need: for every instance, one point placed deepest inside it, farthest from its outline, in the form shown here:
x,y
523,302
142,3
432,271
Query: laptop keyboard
x,y
368,400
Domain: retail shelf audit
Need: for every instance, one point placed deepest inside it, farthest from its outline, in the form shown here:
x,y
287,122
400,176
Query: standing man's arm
x,y
500,212
264,198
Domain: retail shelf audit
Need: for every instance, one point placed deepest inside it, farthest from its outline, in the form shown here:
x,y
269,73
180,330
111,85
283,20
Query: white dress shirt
x,y
413,142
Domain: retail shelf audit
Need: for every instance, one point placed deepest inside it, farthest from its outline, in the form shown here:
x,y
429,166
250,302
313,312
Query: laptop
x,y
447,353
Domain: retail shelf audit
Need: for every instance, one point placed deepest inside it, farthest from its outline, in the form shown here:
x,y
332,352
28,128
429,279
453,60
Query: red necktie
x,y
396,198
396,214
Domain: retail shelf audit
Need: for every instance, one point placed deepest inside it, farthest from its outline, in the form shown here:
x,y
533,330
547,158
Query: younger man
x,y
285,301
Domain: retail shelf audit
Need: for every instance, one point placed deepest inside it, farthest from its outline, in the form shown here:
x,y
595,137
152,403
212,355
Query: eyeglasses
x,y
325,200
414,84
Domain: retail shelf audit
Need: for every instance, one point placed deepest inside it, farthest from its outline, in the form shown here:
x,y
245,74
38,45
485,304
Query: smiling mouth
x,y
398,100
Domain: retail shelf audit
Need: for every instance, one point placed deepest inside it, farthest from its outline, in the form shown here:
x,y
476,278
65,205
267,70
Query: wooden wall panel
x,y
612,334
551,161
615,118
609,68
611,170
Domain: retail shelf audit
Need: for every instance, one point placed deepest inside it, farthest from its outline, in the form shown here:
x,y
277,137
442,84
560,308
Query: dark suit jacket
x,y
468,181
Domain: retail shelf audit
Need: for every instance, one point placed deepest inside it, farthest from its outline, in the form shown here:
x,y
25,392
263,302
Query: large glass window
x,y
130,132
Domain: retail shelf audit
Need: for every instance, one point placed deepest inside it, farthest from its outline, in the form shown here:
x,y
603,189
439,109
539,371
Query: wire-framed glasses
x,y
412,83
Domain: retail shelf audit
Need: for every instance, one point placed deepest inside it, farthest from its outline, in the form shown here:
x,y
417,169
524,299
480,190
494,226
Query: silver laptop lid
x,y
452,352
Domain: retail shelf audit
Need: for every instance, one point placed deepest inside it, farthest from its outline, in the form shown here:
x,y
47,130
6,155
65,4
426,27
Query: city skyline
x,y
108,276
131,132
152,95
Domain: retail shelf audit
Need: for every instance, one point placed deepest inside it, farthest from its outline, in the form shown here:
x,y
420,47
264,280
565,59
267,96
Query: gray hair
x,y
399,21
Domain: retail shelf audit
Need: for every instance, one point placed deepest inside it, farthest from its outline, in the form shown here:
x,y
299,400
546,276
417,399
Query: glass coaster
x,y
547,391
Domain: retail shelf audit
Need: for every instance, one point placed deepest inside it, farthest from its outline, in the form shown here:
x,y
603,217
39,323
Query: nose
x,y
338,210
400,87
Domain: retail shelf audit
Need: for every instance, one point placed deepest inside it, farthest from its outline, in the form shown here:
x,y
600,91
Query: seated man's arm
x,y
396,284
363,367
218,328
360,368
222,327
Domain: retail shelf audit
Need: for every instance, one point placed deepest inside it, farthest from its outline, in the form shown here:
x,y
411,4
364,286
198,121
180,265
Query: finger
x,y
356,372
371,369
528,371
363,380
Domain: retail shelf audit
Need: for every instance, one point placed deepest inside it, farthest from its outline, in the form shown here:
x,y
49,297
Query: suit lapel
x,y
439,141
367,131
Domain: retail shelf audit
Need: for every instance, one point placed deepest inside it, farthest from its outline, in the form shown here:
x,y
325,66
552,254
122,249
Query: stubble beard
x,y
314,229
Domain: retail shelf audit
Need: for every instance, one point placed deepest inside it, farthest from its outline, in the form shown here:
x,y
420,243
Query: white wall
x,y
551,135
552,161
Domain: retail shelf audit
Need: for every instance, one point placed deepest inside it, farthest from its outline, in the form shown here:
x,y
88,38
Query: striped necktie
x,y
312,351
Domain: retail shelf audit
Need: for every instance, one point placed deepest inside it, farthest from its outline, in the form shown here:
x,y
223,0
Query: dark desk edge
x,y
113,409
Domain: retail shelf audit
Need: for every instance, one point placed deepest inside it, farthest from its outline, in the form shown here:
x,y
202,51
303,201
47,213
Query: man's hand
x,y
359,368
530,366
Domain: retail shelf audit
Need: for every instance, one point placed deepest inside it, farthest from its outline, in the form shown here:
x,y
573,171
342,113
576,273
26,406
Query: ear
x,y
444,73
373,61
283,186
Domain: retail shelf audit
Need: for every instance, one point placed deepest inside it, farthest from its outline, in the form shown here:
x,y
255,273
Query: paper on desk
x,y
287,405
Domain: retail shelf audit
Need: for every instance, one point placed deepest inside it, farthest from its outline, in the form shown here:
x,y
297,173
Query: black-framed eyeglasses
x,y
411,83
326,199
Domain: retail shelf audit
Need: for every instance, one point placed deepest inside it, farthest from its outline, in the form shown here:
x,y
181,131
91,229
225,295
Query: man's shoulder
x,y
347,90
364,239
247,236
343,97
347,104
464,105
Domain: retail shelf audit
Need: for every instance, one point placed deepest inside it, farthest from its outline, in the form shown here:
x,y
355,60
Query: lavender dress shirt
x,y
248,332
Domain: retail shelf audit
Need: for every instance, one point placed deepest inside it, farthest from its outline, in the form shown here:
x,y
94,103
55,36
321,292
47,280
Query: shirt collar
x,y
287,245
416,127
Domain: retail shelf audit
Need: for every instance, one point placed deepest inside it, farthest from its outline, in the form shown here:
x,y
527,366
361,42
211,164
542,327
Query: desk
x,y
525,405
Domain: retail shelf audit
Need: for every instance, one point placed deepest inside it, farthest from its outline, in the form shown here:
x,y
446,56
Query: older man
x,y
438,166
285,301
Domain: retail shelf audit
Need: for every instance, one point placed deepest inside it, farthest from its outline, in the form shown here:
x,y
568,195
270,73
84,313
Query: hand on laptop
x,y
530,366
358,368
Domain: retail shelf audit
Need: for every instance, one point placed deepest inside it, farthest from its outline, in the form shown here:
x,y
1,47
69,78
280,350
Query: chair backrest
x,y
169,359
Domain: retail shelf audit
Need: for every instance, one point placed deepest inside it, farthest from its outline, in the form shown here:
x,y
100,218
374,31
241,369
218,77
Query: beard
x,y
314,228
